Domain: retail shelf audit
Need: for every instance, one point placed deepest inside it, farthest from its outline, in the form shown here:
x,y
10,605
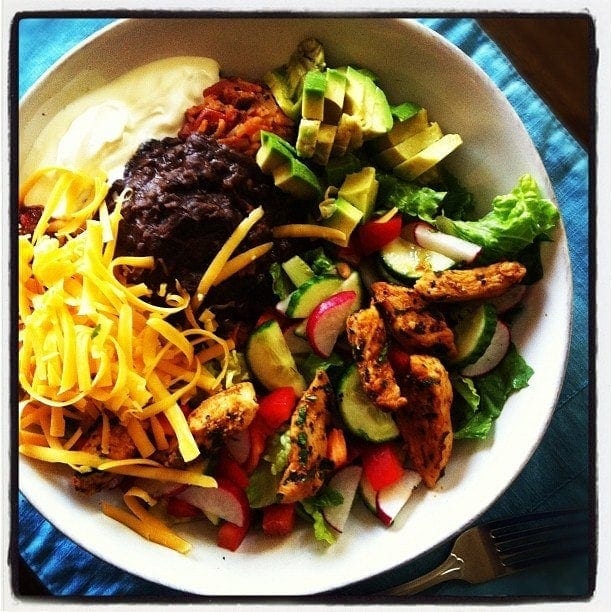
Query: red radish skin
x,y
428,237
228,501
345,481
328,320
391,499
496,351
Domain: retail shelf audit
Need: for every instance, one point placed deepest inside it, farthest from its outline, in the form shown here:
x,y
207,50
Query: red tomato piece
x,y
278,519
277,407
381,464
181,508
258,433
230,536
230,469
374,235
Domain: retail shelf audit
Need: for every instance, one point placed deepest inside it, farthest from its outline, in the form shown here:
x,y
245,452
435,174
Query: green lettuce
x,y
515,221
311,508
479,401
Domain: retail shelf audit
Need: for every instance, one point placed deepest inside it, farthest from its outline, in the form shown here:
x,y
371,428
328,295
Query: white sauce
x,y
103,128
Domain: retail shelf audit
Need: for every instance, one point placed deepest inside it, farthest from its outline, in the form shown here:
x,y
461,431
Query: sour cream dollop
x,y
103,128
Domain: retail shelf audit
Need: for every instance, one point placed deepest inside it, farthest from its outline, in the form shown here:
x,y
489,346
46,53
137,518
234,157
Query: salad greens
x,y
514,222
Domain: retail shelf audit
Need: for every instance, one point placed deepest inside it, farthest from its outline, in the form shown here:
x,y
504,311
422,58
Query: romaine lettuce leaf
x,y
481,400
311,508
515,221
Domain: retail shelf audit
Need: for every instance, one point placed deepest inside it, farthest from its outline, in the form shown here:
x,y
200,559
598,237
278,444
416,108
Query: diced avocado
x,y
338,167
308,131
409,147
313,95
405,110
297,270
298,179
360,189
274,151
349,136
382,119
354,91
325,142
400,131
278,85
334,95
427,158
346,217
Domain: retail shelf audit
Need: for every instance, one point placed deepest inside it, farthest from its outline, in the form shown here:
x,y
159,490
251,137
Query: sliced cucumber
x,y
473,333
304,299
297,270
353,283
359,414
405,261
270,359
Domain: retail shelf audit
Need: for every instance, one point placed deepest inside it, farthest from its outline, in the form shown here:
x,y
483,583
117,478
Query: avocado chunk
x,y
338,167
345,218
308,132
298,179
400,131
360,189
325,142
278,85
313,95
354,91
349,136
409,147
274,151
334,95
428,157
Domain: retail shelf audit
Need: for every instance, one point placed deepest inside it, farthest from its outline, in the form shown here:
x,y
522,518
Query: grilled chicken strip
x,y
223,414
425,423
412,321
306,470
473,284
368,339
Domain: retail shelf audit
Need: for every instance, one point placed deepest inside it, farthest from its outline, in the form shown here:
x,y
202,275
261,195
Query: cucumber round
x,y
359,414
311,293
473,333
270,359
405,261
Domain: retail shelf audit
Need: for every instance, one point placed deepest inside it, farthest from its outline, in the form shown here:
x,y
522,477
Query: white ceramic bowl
x,y
413,63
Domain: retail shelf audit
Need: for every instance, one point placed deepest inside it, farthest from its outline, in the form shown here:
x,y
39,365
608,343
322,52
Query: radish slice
x,y
368,494
228,501
345,481
496,351
429,238
327,321
507,301
390,500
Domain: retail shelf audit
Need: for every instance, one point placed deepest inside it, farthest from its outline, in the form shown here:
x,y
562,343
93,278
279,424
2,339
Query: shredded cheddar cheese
x,y
310,230
92,348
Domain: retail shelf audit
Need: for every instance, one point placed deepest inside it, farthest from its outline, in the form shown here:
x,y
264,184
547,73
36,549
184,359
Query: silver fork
x,y
499,548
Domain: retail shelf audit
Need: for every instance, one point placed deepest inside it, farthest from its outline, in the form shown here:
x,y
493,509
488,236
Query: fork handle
x,y
450,569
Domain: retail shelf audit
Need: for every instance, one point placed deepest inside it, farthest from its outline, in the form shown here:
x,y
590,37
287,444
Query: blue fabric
x,y
557,476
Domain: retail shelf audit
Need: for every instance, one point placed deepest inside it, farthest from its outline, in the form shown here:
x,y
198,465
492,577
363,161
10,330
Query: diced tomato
x,y
278,519
399,360
374,235
230,536
258,432
181,508
381,464
277,407
336,447
229,468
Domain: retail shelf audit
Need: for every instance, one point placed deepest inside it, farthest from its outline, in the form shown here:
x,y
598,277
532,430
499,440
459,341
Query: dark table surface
x,y
556,56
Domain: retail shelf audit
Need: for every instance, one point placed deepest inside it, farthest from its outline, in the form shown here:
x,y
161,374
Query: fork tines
x,y
524,541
